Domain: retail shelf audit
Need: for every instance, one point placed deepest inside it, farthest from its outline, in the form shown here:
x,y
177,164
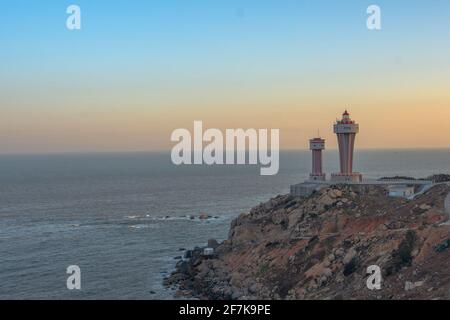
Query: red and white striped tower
x,y
317,145
346,130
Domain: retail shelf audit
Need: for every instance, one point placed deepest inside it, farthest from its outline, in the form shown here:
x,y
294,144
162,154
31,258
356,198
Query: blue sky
x,y
157,34
194,58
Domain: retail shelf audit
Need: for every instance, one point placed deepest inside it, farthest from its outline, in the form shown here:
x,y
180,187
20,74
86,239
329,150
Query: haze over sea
x,y
124,217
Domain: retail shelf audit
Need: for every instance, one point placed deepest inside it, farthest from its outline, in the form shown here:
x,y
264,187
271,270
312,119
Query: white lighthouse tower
x,y
346,130
317,145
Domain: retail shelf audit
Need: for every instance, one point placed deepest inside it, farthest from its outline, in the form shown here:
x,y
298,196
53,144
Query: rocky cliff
x,y
320,247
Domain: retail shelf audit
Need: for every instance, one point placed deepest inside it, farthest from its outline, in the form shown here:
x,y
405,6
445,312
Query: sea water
x,y
123,218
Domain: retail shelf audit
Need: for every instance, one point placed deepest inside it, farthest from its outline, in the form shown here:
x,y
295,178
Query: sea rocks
x,y
188,254
204,216
212,243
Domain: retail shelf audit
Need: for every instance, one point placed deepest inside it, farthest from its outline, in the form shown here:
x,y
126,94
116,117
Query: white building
x,y
401,191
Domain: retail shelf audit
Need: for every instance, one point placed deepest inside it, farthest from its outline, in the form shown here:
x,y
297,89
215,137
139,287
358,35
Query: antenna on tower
x,y
318,133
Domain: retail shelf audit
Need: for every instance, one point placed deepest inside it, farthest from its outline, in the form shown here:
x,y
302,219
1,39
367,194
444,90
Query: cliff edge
x,y
320,247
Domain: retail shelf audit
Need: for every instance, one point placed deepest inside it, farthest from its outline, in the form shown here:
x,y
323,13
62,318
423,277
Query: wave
x,y
144,226
147,217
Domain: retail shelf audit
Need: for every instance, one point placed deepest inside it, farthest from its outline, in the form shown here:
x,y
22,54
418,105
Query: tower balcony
x,y
317,144
341,128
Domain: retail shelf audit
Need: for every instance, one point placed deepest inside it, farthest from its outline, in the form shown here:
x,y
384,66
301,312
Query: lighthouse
x,y
346,130
317,145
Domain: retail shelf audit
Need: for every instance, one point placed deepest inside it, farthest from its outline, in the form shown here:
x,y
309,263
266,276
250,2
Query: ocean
x,y
123,218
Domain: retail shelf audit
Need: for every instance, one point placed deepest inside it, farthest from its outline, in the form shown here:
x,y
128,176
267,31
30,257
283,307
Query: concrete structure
x,y
317,145
346,130
305,189
400,188
401,191
386,183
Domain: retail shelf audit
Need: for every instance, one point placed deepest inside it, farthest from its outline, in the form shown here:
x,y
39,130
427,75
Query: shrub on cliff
x,y
402,257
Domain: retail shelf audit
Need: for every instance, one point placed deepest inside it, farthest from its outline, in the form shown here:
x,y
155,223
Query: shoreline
x,y
304,248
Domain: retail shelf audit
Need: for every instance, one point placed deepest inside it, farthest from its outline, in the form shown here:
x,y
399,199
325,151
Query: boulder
x,y
253,288
326,200
327,272
339,252
349,256
409,285
335,193
425,207
212,243
204,216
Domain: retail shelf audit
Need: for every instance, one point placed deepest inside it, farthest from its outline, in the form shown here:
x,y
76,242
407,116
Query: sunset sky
x,y
140,69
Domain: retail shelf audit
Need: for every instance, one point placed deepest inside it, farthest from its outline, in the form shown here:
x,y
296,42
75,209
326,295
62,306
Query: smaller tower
x,y
317,145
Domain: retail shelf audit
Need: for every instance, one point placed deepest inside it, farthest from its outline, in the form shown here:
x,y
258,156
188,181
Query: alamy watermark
x,y
73,22
374,19
375,278
74,280
212,147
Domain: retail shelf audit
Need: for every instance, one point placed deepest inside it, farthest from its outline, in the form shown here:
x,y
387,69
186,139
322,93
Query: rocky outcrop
x,y
320,247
